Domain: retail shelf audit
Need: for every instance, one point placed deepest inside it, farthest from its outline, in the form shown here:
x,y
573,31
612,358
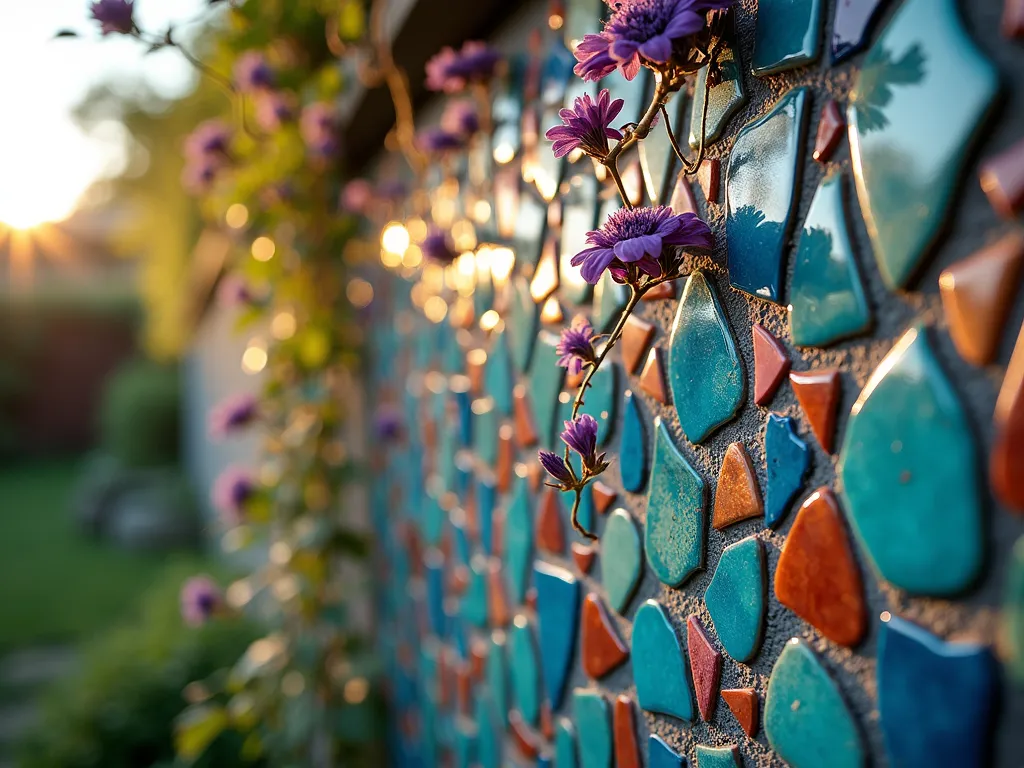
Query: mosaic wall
x,y
811,545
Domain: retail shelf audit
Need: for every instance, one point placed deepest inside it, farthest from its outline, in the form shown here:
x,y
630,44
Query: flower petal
x,y
595,264
658,48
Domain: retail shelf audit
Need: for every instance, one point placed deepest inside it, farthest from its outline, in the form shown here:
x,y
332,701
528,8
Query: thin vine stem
x,y
688,167
613,170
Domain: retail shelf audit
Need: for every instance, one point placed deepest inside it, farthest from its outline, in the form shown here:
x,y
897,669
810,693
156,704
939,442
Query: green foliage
x,y
140,415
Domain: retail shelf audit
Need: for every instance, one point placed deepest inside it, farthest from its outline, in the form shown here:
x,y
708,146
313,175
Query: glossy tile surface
x,y
771,364
524,669
498,611
633,449
708,176
603,495
805,717
705,665
736,598
907,147
724,99
761,182
1002,178
830,128
1006,462
544,385
609,300
627,748
590,709
583,555
659,666
474,601
601,401
788,35
490,738
907,471
675,529
498,377
652,378
661,755
718,757
550,529
636,337
518,542
523,320
579,216
601,648
558,598
565,744
737,494
621,559
787,459
704,369
827,300
851,25
496,674
817,392
657,160
744,705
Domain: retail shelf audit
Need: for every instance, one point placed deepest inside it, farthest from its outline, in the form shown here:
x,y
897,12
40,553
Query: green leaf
x,y
197,727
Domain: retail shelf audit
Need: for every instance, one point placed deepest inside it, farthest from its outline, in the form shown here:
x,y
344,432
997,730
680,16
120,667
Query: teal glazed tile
x,y
908,467
787,36
449,444
827,301
736,598
610,299
558,609
718,757
659,665
474,600
908,147
591,713
761,185
1013,614
496,673
486,498
600,401
724,99
518,541
565,744
523,321
579,216
675,531
657,160
704,369
465,746
805,718
490,736
483,298
633,449
432,525
498,376
935,699
787,460
464,409
525,670
434,569
485,430
621,559
661,755
545,384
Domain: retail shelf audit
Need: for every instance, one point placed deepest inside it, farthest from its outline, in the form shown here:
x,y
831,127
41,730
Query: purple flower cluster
x,y
233,413
273,109
253,73
580,435
206,155
438,141
437,246
637,236
201,598
319,128
555,466
232,489
575,346
460,118
587,126
114,16
451,71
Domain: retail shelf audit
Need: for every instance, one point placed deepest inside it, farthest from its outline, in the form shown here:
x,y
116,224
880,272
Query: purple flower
x,y
460,118
199,175
232,413
356,196
437,247
209,141
387,423
273,109
637,236
232,489
555,466
253,73
575,347
642,32
437,140
233,291
319,127
451,71
200,599
114,16
580,435
586,126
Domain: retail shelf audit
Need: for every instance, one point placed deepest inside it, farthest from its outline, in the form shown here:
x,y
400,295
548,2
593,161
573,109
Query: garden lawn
x,y
56,584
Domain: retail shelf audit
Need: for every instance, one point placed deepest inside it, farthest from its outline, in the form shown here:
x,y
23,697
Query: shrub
x,y
140,417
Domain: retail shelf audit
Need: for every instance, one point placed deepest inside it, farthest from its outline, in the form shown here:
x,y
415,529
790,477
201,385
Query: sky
x,y
46,161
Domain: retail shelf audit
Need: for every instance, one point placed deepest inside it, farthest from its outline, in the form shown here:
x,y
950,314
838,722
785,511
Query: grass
x,y
57,585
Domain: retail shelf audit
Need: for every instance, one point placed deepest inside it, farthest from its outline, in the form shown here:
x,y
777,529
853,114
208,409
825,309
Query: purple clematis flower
x,y
460,118
451,71
200,599
253,73
587,126
436,140
273,109
580,435
232,489
641,32
437,247
555,466
575,346
209,141
233,413
637,236
114,16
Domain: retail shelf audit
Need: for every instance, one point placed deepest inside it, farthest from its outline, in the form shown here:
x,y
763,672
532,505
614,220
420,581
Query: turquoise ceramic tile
x,y
805,718
434,568
545,384
465,746
718,757
579,216
675,531
908,147
464,409
736,598
565,744
610,299
486,497
657,160
633,448
483,299
704,369
558,610
935,699
432,525
621,560
788,35
787,459
1013,614
496,673
524,669
448,445
591,713
659,666
518,541
498,376
600,401
827,300
490,736
761,181
661,755
485,430
474,600
523,321
908,468
724,99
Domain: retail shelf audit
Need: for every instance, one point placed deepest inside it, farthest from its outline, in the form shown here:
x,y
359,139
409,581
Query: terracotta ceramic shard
x,y
771,364
818,394
706,666
627,750
636,336
1006,464
603,496
550,531
464,690
523,735
601,648
683,200
817,577
744,704
708,176
506,458
652,380
977,293
661,291
526,432
1012,25
497,601
737,496
830,131
583,555
1002,178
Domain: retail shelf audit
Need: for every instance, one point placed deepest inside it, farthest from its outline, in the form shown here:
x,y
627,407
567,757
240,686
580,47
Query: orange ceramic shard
x,y
683,200
1012,24
463,689
666,290
524,737
478,658
818,394
1006,464
737,496
1002,178
744,705
817,577
526,432
976,295
627,751
652,380
830,131
497,602
601,648
476,359
547,723
705,665
636,335
506,458
771,364
583,554
550,532
707,176
603,496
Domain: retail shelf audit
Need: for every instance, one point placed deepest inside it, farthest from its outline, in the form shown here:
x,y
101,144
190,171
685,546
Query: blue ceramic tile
x,y
465,746
787,460
485,430
464,409
717,757
558,610
490,736
661,755
599,402
435,594
579,216
704,369
675,531
447,446
495,671
432,525
724,99
633,448
610,299
935,698
850,28
565,744
545,384
544,761
659,667
486,495
591,714
761,182
736,598
457,631
805,718
657,160
908,469
525,669
498,377
621,560
518,541
908,147
788,35
523,320
827,301
1013,614
474,600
